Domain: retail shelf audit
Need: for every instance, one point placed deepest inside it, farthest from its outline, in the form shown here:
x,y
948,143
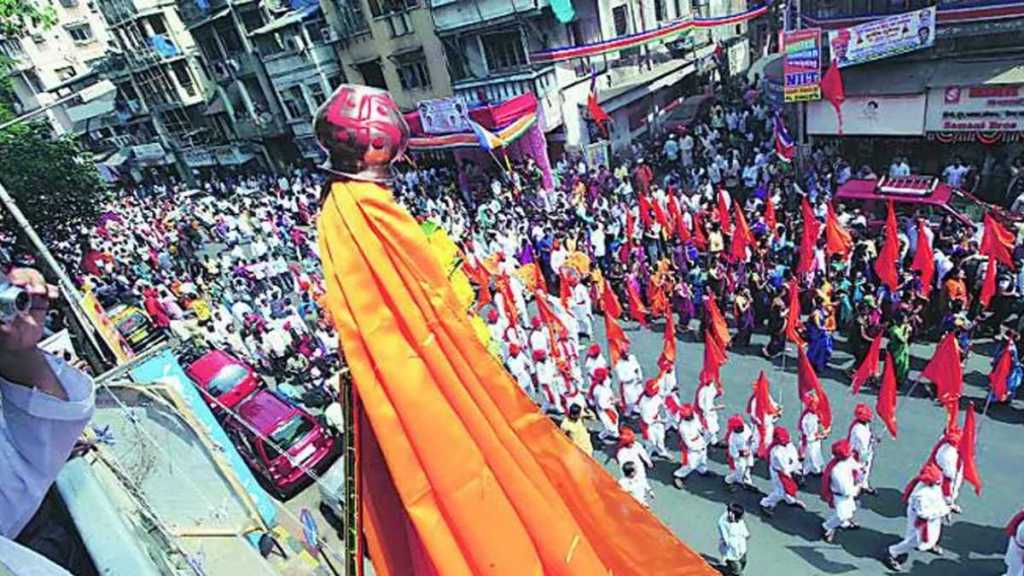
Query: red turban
x,y
862,413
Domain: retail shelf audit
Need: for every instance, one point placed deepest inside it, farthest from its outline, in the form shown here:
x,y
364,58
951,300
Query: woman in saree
x,y
819,339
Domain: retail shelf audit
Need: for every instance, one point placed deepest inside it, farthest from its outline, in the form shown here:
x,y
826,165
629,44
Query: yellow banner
x,y
98,316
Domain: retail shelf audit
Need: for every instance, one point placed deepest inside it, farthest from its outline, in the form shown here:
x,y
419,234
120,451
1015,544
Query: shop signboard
x,y
987,108
148,153
198,157
598,154
443,116
801,66
889,36
900,115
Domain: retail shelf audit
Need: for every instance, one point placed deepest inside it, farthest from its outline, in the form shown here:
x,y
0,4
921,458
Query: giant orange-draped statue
x,y
457,471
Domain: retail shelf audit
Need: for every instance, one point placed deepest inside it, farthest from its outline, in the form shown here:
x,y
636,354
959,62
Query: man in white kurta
x,y
631,451
739,440
547,376
707,409
594,360
667,377
630,377
539,339
862,442
926,507
692,444
946,456
783,463
521,368
811,435
842,489
604,406
652,419
582,309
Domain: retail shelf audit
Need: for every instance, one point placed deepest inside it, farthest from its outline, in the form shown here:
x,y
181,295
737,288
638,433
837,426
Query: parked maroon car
x,y
224,377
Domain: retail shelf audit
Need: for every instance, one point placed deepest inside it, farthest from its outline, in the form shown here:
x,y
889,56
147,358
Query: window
x,y
65,73
659,10
456,59
316,94
400,24
12,48
69,3
372,74
252,20
413,72
381,7
504,51
33,81
335,81
318,32
620,16
184,77
294,103
80,33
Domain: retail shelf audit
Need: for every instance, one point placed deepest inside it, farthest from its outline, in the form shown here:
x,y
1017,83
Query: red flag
x,y
809,239
988,286
885,265
699,239
636,307
556,330
618,343
662,218
769,215
676,215
762,410
793,318
807,381
597,114
508,303
645,211
716,322
968,443
869,367
609,302
742,237
714,357
668,350
945,371
630,226
924,260
723,214
837,238
997,242
833,91
564,289
885,406
997,378
478,274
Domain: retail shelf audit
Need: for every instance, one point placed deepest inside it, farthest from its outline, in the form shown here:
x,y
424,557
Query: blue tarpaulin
x,y
164,46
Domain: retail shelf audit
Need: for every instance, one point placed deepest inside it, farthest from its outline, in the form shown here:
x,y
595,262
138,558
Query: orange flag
x,y
769,216
945,371
763,408
885,406
968,444
793,318
609,302
716,322
723,214
742,237
479,275
867,368
507,302
699,239
812,228
888,257
538,277
807,381
618,343
556,329
837,238
924,260
668,350
415,359
676,215
564,288
636,306
645,211
662,218
714,358
997,242
988,285
1000,373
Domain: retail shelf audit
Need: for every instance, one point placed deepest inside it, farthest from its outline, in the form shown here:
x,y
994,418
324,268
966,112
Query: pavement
x,y
790,542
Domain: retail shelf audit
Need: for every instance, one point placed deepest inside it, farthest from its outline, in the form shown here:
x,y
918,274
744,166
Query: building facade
x,y
389,44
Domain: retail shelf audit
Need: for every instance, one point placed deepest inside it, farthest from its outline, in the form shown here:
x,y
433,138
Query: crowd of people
x,y
706,228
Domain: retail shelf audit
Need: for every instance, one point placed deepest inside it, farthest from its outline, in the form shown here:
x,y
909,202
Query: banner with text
x,y
889,36
988,108
801,67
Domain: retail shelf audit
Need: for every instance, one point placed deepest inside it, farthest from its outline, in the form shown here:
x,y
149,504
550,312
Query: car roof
x,y
870,190
265,411
207,366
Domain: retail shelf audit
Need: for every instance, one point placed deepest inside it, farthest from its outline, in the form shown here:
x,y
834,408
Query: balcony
x,y
451,15
269,127
237,64
298,65
495,89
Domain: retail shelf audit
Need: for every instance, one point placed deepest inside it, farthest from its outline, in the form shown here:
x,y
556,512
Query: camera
x,y
14,301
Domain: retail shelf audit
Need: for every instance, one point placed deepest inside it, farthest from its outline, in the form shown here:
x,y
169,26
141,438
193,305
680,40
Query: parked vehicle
x,y
279,441
137,328
226,378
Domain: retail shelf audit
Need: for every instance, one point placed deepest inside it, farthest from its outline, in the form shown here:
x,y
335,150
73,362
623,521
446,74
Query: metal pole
x,y
66,285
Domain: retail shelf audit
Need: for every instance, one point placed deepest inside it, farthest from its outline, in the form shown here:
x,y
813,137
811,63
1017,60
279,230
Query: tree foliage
x,y
17,16
55,185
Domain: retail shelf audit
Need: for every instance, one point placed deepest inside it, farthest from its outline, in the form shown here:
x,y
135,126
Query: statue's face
x,y
362,130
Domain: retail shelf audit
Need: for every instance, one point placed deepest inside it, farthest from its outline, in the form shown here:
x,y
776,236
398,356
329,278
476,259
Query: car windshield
x,y
291,431
226,379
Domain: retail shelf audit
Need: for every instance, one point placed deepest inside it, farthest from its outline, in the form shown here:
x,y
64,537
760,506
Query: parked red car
x,y
225,377
305,443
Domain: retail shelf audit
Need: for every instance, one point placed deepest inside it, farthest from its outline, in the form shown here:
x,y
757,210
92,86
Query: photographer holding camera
x,y
45,406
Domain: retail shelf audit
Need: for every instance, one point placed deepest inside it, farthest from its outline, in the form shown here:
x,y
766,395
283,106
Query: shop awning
x,y
888,78
975,73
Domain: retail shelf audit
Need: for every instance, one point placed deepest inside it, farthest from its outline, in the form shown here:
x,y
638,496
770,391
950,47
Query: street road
x,y
790,541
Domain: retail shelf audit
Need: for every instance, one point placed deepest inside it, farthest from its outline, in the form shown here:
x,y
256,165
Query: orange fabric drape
x,y
489,484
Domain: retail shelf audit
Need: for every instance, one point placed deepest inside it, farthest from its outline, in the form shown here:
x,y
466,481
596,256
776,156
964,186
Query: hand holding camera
x,y
24,299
